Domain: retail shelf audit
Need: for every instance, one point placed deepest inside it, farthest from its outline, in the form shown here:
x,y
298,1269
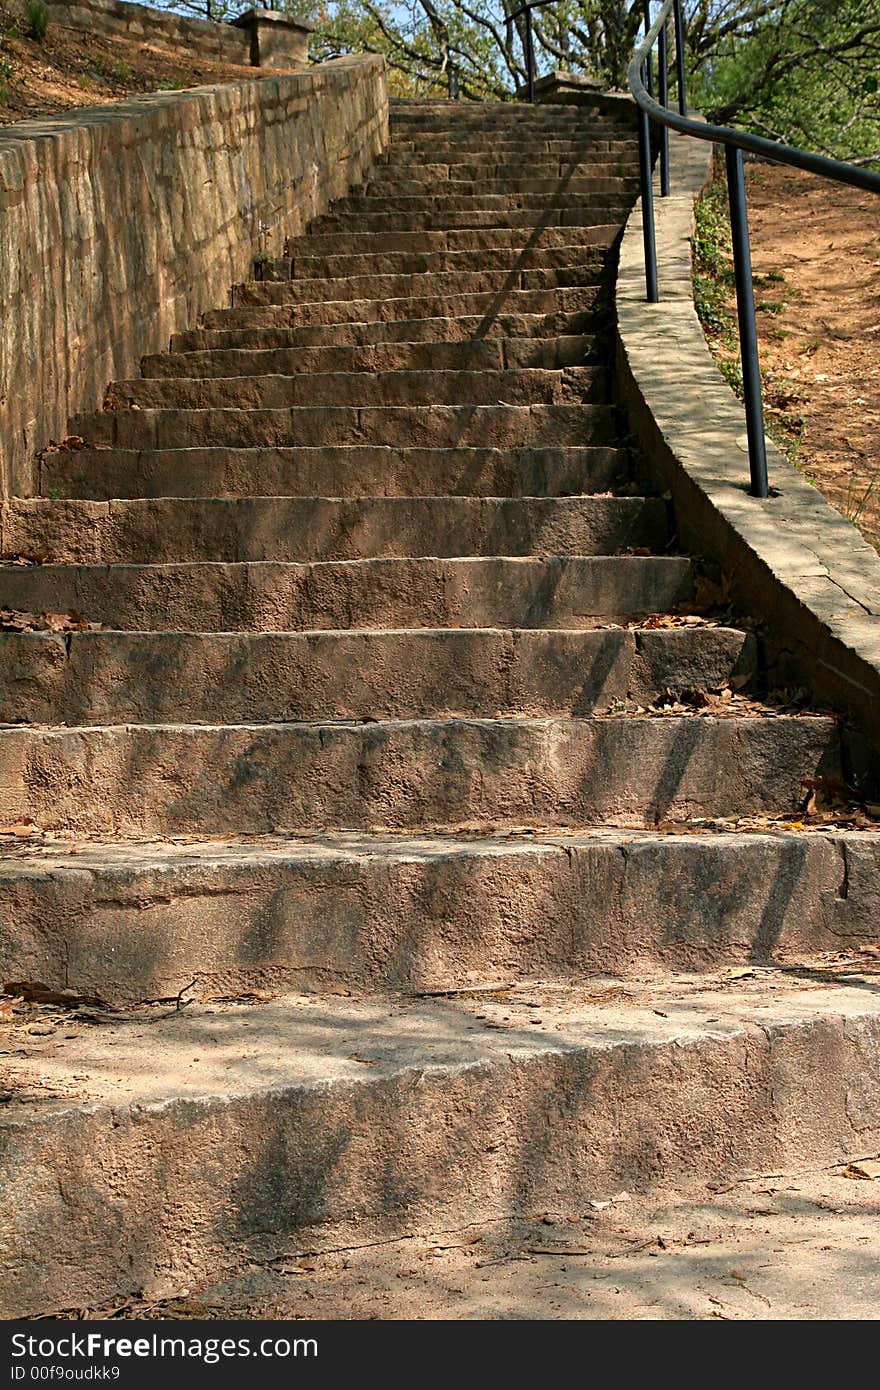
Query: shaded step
x,y
454,198
491,304
489,148
474,355
374,912
511,216
355,471
252,1131
114,678
565,591
395,388
307,265
600,190
154,531
440,283
450,240
184,779
495,426
461,328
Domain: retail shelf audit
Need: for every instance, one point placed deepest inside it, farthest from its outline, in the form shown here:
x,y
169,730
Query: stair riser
x,y
522,219
584,301
403,388
498,198
481,355
512,240
486,152
425,426
398,918
460,328
304,529
265,778
440,283
308,265
567,593
356,471
227,1181
437,181
113,678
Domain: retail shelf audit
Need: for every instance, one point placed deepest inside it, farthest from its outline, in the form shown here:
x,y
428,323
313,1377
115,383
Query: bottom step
x,y
169,1148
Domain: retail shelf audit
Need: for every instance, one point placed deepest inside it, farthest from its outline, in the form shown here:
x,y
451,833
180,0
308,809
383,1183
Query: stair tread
x,y
222,1052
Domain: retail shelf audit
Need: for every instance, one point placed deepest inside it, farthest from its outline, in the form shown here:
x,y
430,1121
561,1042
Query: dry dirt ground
x,y
70,68
816,259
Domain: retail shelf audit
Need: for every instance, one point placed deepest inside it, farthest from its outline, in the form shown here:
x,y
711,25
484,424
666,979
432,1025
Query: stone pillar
x,y
277,41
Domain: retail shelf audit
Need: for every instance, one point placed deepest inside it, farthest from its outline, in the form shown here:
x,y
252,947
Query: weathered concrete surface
x,y
168,779
177,530
219,1135
481,426
130,922
361,470
116,677
613,1256
121,227
568,591
792,559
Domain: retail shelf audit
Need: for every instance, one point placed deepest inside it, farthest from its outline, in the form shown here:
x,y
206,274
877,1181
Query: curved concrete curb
x,y
792,560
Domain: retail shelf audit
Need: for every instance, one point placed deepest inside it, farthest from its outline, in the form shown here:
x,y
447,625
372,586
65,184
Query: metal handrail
x,y
734,142
640,75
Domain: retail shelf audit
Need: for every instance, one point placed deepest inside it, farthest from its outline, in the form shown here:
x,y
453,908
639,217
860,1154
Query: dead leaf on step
x,y
865,1170
35,992
19,620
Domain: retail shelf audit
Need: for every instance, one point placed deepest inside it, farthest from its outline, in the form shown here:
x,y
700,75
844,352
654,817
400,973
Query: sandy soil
x,y
71,69
819,328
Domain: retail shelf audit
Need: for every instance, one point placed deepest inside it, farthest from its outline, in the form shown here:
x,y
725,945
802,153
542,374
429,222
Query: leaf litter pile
x,y
19,620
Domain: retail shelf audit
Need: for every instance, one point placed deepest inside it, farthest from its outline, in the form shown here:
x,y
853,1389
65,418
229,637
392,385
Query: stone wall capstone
x,y
121,224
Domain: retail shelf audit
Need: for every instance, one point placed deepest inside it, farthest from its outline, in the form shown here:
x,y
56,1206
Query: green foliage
x,y
803,72
37,19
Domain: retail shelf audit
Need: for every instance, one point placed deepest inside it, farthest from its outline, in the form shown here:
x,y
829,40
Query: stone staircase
x,y
412,840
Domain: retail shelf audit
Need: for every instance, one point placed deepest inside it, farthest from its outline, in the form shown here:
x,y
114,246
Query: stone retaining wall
x,y
120,225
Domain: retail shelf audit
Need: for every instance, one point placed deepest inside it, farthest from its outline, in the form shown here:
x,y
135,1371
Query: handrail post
x,y
663,92
679,59
649,65
530,56
647,188
748,333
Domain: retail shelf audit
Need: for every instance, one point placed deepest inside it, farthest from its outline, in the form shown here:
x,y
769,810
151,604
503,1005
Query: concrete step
x,y
599,188
461,328
355,471
228,678
498,147
495,426
584,301
507,592
251,1134
378,912
161,530
306,265
529,386
512,216
498,198
529,123
252,779
314,242
470,355
440,283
